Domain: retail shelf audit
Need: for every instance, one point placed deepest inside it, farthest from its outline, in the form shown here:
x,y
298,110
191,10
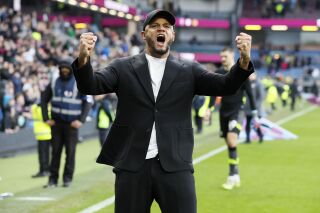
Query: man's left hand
x,y
243,42
76,124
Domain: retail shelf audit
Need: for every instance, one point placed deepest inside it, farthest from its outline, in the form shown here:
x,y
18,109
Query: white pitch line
x,y
110,201
35,198
209,154
98,206
295,115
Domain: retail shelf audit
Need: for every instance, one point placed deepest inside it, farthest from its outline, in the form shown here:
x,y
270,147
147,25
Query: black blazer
x,y
127,142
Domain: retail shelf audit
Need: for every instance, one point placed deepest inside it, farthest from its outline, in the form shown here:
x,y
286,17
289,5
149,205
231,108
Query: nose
x,y
161,28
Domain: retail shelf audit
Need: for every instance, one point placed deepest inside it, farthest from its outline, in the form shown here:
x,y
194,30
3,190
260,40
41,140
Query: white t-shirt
x,y
156,69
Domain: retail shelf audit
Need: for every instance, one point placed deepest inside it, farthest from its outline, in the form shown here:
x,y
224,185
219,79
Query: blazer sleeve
x,y
214,84
95,83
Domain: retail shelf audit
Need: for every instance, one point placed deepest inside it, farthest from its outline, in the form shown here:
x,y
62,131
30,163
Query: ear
x,y
143,35
174,35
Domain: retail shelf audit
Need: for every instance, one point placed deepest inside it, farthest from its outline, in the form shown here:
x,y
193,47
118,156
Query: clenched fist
x,y
243,42
87,43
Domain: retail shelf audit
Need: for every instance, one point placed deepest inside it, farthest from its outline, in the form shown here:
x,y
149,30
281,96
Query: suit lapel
x,y
171,70
140,66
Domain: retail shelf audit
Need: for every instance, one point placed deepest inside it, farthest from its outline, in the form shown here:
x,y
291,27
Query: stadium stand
x,y
32,42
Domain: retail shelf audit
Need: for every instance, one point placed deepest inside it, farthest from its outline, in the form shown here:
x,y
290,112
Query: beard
x,y
157,51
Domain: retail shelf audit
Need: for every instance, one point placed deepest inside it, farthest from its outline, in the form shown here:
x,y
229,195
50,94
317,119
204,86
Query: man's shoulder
x,y
123,59
187,63
184,62
130,59
221,71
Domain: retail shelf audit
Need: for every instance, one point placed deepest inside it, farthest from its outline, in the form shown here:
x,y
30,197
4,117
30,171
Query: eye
x,y
154,26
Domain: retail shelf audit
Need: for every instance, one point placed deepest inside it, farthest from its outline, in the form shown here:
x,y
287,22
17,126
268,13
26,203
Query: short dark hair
x,y
227,49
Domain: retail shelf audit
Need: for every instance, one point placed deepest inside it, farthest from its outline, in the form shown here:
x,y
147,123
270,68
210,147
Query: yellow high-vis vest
x,y
272,94
204,107
42,130
104,121
285,93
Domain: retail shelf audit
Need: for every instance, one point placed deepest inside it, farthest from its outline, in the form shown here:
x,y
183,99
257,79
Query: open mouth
x,y
161,38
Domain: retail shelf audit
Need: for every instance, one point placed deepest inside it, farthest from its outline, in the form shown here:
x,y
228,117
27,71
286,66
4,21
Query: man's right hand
x,y
87,43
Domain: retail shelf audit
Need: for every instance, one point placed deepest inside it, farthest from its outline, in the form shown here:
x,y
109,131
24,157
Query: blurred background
x,y
35,35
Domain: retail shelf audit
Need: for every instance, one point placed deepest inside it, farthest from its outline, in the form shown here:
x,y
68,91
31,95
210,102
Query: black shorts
x,y
229,123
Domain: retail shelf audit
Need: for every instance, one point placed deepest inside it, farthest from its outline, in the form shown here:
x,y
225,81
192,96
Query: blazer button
x,y
156,110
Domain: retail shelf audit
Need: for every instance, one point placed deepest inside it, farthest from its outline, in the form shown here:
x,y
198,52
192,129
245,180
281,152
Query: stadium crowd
x,y
281,8
279,58
31,48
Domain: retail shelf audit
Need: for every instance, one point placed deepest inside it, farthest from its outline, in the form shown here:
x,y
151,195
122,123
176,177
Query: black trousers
x,y
135,191
103,135
198,121
293,103
63,135
44,155
248,128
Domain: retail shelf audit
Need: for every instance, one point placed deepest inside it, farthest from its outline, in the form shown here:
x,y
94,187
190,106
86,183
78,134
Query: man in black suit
x,y
150,143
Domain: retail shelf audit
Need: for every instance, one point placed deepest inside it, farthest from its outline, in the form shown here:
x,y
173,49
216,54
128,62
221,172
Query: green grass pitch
x,y
277,177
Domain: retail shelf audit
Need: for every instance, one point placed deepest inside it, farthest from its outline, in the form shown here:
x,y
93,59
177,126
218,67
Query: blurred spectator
x,y
29,46
42,133
23,113
169,5
198,107
303,4
258,93
293,5
315,89
294,93
69,110
9,110
104,116
272,92
194,40
280,8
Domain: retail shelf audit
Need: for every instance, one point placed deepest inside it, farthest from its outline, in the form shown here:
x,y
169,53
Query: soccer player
x,y
229,125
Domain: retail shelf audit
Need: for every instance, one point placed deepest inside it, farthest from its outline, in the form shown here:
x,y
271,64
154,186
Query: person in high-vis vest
x,y
272,95
69,110
104,117
42,133
285,94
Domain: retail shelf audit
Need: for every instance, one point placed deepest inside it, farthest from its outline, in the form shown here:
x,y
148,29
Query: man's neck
x,y
155,55
155,58
227,68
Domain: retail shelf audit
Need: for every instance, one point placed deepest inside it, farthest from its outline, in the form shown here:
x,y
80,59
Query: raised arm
x,y
87,44
214,84
90,82
243,42
207,83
